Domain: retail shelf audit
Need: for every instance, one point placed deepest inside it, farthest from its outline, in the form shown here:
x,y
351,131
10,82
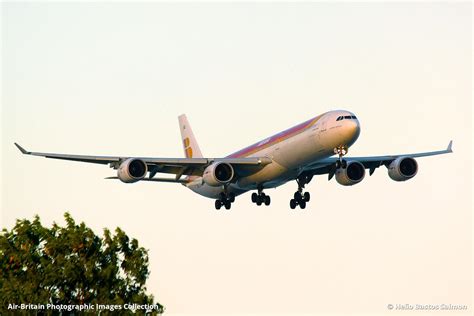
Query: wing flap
x,y
326,166
81,158
177,166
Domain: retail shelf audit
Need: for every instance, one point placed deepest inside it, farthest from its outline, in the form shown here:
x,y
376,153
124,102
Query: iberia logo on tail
x,y
190,145
187,148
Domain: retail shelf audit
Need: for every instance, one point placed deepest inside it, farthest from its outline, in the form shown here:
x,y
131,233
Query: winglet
x,y
23,150
450,147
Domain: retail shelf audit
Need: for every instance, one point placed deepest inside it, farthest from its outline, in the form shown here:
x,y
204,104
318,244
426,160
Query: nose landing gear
x,y
341,151
260,197
300,198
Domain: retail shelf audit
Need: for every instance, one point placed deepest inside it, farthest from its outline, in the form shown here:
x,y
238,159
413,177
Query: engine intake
x,y
352,174
403,168
132,170
218,173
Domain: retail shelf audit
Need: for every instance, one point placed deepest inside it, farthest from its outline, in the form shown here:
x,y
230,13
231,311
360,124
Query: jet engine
x,y
403,168
132,170
352,174
218,173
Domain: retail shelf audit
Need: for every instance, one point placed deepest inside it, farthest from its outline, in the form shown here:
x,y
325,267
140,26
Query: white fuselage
x,y
291,152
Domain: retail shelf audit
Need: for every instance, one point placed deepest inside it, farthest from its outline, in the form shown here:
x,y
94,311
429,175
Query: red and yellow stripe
x,y
295,130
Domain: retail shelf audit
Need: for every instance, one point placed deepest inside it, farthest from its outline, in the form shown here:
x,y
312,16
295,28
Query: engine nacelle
x,y
132,170
218,173
403,168
352,174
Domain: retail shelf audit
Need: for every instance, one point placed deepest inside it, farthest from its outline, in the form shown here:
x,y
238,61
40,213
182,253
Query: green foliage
x,y
70,265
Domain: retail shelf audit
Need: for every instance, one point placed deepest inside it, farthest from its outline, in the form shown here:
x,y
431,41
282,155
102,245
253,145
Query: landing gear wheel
x,y
259,197
292,204
267,200
302,204
306,196
297,196
225,199
301,198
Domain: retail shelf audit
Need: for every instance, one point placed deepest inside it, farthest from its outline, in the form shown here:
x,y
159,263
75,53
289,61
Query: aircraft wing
x,y
328,165
177,166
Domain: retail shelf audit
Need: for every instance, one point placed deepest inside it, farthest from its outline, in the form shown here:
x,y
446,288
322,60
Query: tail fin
x,y
191,147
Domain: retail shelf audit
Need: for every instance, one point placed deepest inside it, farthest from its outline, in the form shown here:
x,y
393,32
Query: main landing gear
x,y
300,198
341,151
225,199
260,197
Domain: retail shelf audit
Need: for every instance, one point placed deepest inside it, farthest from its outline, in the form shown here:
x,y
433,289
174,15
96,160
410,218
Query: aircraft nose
x,y
352,130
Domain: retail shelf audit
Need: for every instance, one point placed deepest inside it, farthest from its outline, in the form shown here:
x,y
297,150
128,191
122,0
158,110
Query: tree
x,y
71,265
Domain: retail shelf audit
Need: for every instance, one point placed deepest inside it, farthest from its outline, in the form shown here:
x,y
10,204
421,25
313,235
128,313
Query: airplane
x,y
314,147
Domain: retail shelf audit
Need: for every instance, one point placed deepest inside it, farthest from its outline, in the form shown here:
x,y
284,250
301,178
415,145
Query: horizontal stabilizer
x,y
172,180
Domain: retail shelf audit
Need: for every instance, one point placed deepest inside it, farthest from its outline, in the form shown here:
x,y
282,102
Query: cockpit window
x,y
347,117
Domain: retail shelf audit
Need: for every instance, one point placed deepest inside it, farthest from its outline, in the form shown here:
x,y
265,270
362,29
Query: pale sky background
x,y
111,79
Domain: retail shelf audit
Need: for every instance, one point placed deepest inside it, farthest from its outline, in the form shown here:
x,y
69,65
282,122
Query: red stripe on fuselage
x,y
272,140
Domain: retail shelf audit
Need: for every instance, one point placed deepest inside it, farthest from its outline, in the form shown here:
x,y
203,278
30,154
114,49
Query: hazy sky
x,y
111,79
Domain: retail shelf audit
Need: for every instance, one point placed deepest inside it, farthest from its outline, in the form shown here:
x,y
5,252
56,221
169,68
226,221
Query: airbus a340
x,y
314,147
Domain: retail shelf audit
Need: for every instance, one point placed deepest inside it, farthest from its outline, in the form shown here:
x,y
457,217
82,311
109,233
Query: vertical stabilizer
x,y
190,145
